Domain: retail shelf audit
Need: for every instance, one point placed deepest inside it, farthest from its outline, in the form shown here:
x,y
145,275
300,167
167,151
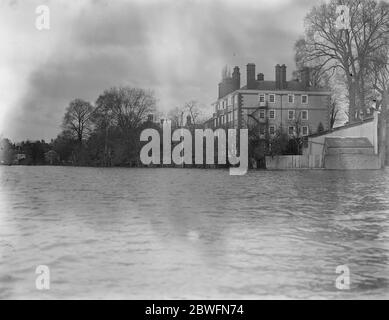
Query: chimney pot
x,y
305,78
278,76
251,76
236,78
283,77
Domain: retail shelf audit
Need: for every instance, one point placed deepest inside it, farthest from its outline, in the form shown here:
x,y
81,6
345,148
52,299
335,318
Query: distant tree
x,y
176,116
278,144
65,145
334,113
125,108
379,81
7,151
78,119
193,109
320,128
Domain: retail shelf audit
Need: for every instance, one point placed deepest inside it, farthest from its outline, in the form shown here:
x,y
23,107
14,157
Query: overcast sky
x,y
175,47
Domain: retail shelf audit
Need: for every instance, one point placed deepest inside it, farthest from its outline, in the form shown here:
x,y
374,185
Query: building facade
x,y
292,107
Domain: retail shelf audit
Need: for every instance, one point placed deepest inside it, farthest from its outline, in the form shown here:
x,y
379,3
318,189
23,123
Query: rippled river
x,y
188,233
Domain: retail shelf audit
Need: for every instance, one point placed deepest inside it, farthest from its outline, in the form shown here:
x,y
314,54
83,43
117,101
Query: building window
x,y
236,100
291,130
261,98
304,99
304,115
262,114
272,98
261,130
272,130
230,117
291,98
305,130
290,114
215,122
272,114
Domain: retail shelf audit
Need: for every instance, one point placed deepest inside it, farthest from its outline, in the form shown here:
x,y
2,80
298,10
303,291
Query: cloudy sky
x,y
175,47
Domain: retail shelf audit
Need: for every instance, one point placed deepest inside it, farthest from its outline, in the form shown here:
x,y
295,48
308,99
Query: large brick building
x,y
292,107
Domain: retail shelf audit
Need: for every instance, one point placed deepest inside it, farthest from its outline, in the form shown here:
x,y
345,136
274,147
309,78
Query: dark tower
x,y
236,78
283,77
251,76
278,77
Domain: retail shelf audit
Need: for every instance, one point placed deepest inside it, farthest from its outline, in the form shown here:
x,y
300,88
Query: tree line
x,y
105,133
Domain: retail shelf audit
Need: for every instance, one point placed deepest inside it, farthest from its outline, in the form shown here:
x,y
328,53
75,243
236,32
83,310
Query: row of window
x,y
230,101
233,100
291,114
291,98
291,130
226,118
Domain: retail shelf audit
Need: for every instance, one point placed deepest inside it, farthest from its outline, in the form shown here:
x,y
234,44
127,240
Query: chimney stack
x,y
305,79
278,77
251,76
236,78
283,77
260,77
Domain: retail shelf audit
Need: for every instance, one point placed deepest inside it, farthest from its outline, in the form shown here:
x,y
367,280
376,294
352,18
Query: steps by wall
x,y
350,153
348,142
350,150
352,161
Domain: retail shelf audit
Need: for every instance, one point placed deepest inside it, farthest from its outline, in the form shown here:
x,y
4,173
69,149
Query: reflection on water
x,y
187,233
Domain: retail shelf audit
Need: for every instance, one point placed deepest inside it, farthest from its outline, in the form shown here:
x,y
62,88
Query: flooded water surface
x,y
188,233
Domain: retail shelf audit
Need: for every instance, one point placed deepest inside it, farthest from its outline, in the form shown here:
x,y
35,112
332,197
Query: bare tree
x,y
334,113
176,117
349,50
77,119
127,108
195,111
379,80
